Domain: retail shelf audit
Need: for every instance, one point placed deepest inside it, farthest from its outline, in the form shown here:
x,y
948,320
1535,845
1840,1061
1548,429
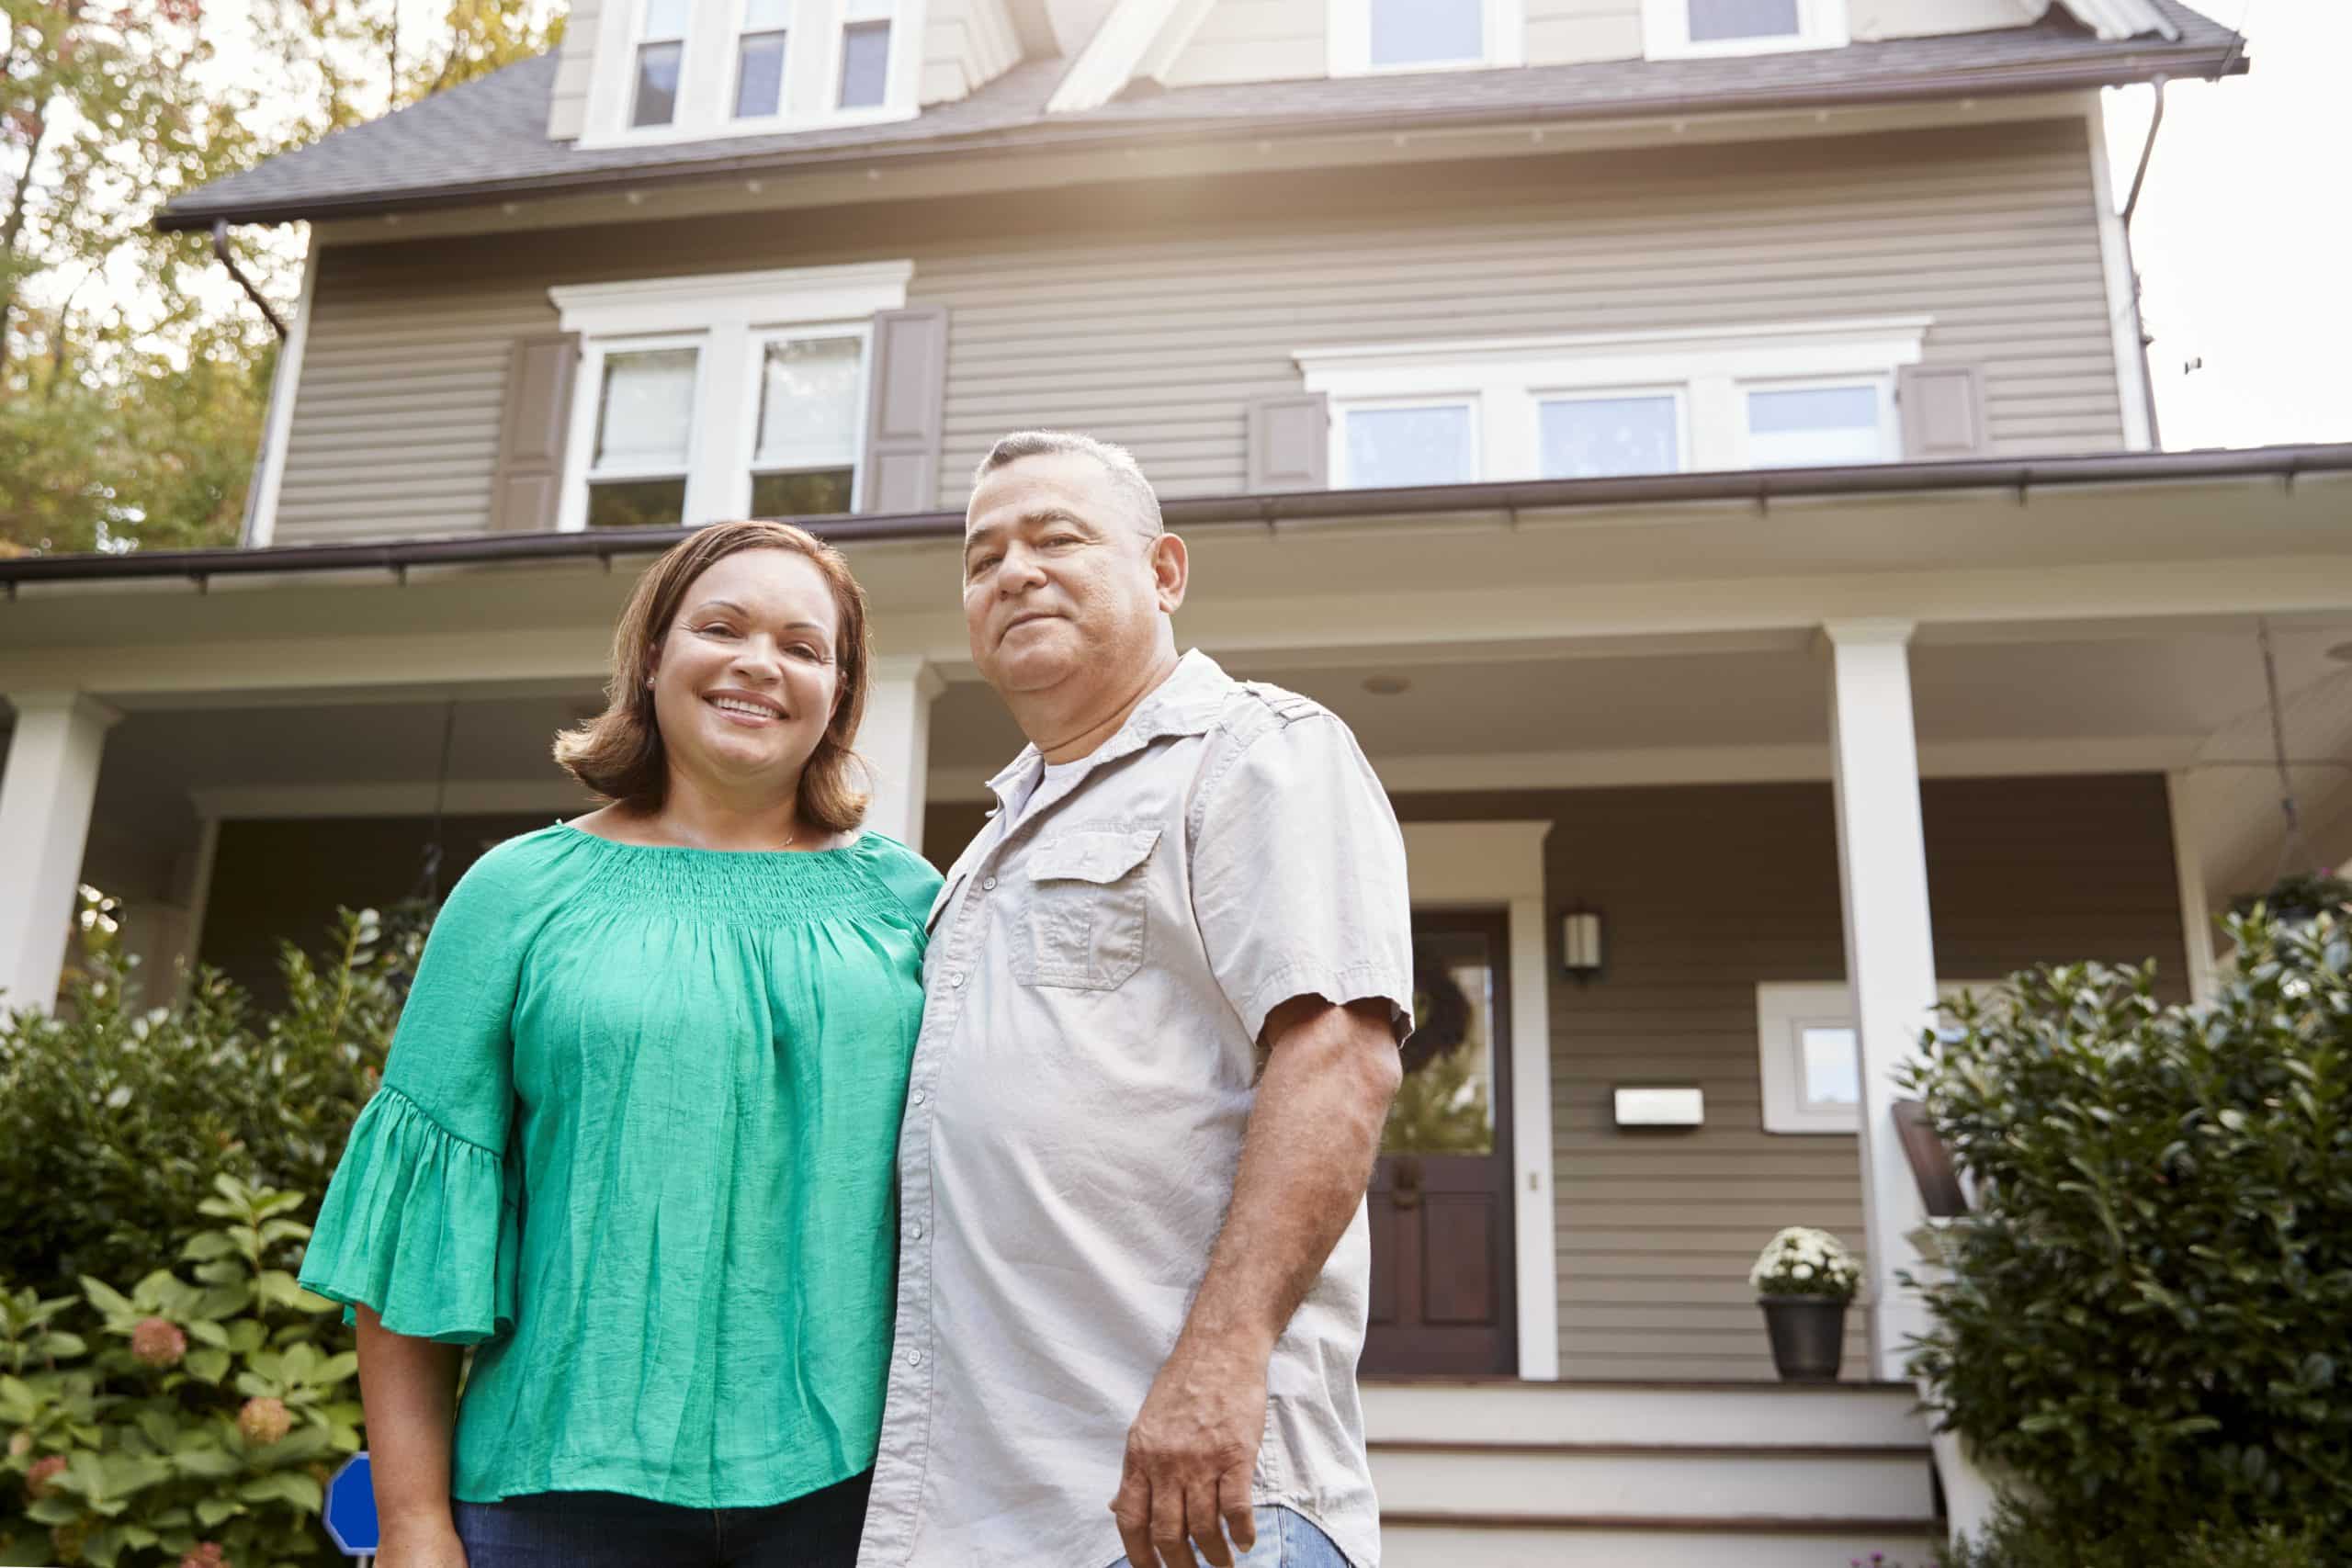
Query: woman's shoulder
x,y
518,870
906,874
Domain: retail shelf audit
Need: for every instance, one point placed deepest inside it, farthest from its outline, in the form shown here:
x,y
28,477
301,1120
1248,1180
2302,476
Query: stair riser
x,y
1768,1414
1756,1485
1418,1546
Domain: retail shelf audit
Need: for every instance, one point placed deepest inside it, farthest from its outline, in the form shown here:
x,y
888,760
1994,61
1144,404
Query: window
x,y
1672,28
1810,1054
865,55
1424,35
738,394
1615,404
661,57
759,59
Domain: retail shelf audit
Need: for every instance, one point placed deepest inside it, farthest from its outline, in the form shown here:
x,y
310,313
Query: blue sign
x,y
350,1508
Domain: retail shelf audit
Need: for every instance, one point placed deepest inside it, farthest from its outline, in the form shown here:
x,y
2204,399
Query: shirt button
x,y
914,1358
918,1096
915,1231
956,979
987,883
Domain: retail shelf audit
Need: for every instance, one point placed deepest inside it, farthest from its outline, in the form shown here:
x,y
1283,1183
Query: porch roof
x,y
1763,487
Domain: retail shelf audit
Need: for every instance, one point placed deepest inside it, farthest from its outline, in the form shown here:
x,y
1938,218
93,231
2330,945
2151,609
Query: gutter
x,y
1106,132
1759,487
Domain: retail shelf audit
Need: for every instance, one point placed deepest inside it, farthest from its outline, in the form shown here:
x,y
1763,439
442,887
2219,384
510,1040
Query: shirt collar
x,y
1185,704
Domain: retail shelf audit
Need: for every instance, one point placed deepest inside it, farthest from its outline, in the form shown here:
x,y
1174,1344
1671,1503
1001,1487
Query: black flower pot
x,y
1808,1336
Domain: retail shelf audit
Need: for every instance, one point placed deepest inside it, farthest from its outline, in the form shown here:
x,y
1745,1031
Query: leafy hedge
x,y
2149,1317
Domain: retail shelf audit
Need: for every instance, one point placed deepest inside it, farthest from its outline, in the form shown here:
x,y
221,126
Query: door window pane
x,y
1829,1057
636,503
865,64
1717,21
1590,438
644,410
656,83
1427,33
758,75
1408,447
814,493
1446,1104
1814,425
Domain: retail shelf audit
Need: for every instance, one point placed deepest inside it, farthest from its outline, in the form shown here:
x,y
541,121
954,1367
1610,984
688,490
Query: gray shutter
x,y
1290,443
905,410
1943,411
530,481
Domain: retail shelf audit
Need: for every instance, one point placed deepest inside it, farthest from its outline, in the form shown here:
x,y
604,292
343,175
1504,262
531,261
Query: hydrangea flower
x,y
263,1420
36,1479
158,1343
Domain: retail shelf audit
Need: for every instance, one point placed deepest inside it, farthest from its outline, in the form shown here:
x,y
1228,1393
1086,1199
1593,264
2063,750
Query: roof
x,y
487,141
1761,487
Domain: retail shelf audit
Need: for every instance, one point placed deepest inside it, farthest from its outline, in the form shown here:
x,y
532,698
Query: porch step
x,y
1597,1481
1733,1414
1410,1542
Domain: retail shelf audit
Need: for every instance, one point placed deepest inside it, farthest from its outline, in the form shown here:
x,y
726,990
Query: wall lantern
x,y
1581,946
1659,1107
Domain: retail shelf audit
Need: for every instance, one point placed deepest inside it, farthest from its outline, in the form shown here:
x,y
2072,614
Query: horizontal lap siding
x,y
1152,315
1708,891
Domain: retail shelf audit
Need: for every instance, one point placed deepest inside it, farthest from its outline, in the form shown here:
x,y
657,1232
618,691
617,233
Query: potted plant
x,y
1804,1280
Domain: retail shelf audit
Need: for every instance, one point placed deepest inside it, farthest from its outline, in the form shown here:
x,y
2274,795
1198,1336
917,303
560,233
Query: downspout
x,y
220,249
2132,205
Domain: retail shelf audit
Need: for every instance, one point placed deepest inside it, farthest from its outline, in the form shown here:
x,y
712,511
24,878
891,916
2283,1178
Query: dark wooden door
x,y
1444,1289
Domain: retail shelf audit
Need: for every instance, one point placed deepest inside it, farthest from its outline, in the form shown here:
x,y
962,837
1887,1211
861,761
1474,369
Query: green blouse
x,y
635,1141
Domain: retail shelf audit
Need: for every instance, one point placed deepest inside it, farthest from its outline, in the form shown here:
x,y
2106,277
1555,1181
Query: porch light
x,y
1581,948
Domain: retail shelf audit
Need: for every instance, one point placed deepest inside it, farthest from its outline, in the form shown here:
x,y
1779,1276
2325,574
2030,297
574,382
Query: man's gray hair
x,y
1126,474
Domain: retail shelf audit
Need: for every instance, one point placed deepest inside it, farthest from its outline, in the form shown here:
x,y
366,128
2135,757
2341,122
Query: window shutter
x,y
1290,443
905,410
530,481
1943,411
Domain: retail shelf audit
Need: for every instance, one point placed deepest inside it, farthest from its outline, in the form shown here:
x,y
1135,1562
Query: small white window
x,y
1809,1052
645,416
1589,437
1672,28
661,58
1817,426
1424,35
760,56
865,55
803,462
1426,443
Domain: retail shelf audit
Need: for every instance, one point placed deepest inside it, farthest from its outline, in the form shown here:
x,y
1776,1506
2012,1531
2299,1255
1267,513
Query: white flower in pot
x,y
1804,1279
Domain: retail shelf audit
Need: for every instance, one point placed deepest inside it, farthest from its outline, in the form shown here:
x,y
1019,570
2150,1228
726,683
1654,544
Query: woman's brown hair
x,y
619,754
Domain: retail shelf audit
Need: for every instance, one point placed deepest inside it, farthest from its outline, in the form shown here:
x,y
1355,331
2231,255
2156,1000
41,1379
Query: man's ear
x,y
1171,569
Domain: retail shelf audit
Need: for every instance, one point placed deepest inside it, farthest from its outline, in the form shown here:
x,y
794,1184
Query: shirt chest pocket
x,y
1086,900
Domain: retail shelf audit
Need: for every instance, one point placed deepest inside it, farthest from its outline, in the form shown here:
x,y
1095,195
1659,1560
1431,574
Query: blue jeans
x,y
606,1529
1285,1540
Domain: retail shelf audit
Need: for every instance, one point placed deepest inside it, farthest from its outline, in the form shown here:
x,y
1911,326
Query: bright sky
x,y
2244,235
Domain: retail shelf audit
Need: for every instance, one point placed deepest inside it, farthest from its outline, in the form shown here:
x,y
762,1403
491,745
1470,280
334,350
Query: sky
x,y
2242,236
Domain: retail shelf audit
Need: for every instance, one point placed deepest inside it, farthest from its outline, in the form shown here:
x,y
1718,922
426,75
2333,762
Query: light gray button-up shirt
x,y
1099,974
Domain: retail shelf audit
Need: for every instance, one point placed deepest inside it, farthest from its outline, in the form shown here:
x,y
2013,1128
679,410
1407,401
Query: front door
x,y
1443,1296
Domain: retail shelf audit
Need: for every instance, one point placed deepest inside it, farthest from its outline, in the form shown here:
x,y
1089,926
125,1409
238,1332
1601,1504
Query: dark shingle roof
x,y
488,139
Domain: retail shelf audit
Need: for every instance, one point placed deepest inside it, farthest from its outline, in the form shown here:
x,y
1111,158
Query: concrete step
x,y
1411,1541
1574,1481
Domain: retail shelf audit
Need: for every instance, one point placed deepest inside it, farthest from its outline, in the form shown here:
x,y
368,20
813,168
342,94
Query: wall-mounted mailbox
x,y
1651,1107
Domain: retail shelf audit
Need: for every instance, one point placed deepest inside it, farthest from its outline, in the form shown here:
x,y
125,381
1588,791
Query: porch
x,y
1904,737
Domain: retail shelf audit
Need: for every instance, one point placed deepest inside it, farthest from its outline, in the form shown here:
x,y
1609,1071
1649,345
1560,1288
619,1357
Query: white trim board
x,y
1481,865
2135,393
284,386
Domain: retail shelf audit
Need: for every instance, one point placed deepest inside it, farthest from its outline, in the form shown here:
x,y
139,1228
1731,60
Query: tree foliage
x,y
133,379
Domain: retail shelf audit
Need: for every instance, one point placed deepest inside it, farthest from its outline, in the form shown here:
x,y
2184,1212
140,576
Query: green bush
x,y
115,1118
204,1424
2149,1317
2021,1538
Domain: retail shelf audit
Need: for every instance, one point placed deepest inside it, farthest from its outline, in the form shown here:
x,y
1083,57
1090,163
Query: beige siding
x,y
1254,40
1153,315
568,100
1565,32
965,44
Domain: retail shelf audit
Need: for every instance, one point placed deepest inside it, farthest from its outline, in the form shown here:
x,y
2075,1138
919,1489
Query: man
x,y
1164,993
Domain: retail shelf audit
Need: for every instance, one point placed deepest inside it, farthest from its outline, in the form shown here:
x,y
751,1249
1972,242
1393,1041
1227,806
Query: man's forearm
x,y
1305,1164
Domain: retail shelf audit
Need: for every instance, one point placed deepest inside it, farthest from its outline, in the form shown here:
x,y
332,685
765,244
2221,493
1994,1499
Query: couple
x,y
805,1211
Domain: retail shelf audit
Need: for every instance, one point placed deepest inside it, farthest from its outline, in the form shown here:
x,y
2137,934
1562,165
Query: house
x,y
1704,447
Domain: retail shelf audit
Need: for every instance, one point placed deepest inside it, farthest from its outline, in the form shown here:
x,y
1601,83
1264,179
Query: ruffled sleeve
x,y
420,1220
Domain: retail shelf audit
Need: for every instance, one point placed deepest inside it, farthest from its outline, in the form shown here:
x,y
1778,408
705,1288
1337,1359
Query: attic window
x,y
760,59
1682,28
670,70
660,55
1425,35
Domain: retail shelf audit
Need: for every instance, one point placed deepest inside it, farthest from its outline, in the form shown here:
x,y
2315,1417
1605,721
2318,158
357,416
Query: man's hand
x,y
1190,1454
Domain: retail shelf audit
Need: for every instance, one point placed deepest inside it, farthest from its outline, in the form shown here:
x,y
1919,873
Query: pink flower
x,y
36,1479
263,1420
207,1554
158,1343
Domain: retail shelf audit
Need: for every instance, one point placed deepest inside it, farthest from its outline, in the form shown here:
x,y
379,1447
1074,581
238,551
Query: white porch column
x,y
895,740
1890,949
46,789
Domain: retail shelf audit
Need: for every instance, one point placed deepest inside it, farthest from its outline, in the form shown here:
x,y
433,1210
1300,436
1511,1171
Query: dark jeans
x,y
606,1529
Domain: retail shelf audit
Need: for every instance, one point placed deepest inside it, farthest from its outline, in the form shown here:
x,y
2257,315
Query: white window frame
x,y
841,22
1666,32
632,13
756,360
1713,368
729,317
589,390
707,73
1538,396
1890,425
1784,1010
1463,397
1349,29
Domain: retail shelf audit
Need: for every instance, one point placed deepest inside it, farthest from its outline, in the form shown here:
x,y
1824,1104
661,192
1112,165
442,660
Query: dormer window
x,y
1673,28
668,70
1425,35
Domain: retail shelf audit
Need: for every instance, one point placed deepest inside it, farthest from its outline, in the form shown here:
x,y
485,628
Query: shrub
x,y
2148,1315
115,1118
2021,1538
211,1412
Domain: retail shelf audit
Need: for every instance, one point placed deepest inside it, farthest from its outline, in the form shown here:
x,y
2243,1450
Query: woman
x,y
636,1136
